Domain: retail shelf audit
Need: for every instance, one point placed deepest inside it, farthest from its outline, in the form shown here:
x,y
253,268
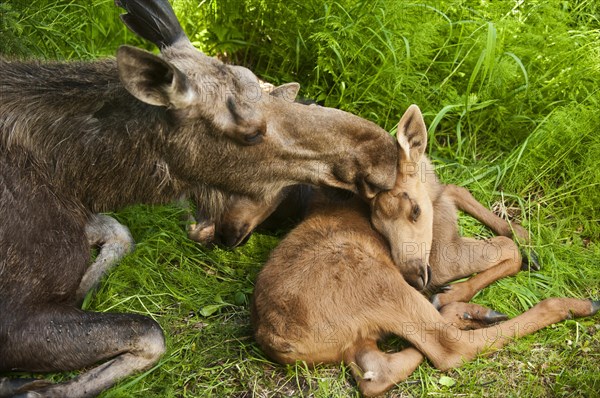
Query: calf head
x,y
404,214
226,133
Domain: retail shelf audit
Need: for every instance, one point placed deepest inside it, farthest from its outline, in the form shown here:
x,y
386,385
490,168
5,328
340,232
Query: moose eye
x,y
415,212
255,138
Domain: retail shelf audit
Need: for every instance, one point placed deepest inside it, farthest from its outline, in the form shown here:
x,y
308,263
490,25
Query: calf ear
x,y
151,79
412,134
288,91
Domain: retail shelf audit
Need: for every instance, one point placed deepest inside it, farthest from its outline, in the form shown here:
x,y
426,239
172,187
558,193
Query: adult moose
x,y
79,138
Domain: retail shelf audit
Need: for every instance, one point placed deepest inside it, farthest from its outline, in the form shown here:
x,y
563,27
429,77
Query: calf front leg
x,y
58,338
491,260
115,242
464,201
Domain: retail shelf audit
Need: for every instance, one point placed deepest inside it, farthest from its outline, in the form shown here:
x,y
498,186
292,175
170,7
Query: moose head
x,y
403,214
231,136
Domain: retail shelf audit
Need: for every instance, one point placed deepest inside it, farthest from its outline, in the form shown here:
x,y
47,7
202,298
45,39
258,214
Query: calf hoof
x,y
482,320
489,318
595,306
530,260
468,316
494,317
435,299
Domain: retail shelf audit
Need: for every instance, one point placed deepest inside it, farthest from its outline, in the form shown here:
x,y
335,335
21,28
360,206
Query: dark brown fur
x,y
84,137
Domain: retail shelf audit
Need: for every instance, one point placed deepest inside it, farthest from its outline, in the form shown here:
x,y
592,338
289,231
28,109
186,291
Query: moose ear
x,y
367,189
151,79
412,134
287,91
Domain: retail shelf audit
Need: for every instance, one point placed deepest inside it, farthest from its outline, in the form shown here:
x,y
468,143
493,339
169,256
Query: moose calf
x,y
334,286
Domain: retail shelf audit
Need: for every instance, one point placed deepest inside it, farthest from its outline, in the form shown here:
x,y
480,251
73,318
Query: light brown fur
x,y
332,288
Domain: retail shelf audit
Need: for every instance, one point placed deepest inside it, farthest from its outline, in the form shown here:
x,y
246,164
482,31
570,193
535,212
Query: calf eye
x,y
415,212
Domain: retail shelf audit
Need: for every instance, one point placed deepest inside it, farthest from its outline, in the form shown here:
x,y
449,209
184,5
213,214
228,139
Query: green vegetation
x,y
511,92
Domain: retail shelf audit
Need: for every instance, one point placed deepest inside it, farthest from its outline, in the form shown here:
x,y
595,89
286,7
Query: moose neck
x,y
93,140
106,149
97,144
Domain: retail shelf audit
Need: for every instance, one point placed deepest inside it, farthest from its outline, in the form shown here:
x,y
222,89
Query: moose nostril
x,y
428,280
244,240
225,240
425,276
234,241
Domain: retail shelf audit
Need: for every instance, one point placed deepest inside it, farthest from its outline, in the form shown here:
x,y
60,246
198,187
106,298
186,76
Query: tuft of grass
x,y
511,97
62,29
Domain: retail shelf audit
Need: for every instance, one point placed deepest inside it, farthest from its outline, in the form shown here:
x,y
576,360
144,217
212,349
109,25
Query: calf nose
x,y
425,276
419,275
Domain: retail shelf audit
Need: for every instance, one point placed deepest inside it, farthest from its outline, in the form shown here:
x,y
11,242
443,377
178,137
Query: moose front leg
x,y
59,338
115,242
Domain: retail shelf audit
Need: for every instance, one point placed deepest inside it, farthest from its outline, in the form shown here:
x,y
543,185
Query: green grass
x,y
510,91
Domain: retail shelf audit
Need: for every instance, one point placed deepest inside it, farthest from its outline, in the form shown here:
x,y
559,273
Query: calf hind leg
x,y
65,338
375,371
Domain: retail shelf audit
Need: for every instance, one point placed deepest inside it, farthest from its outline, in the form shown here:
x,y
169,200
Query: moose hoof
x,y
21,387
494,317
531,261
595,306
